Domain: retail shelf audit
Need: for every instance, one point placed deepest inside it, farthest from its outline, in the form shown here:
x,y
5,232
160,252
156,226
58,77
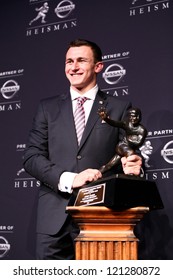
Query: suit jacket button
x,y
79,157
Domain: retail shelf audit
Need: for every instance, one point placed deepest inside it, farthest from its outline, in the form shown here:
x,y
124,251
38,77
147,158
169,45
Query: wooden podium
x,y
107,211
106,234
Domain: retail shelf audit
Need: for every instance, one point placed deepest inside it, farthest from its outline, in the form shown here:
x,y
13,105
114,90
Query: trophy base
x,y
119,192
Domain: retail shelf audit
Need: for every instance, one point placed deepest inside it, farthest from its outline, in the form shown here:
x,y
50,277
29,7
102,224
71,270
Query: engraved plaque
x,y
90,195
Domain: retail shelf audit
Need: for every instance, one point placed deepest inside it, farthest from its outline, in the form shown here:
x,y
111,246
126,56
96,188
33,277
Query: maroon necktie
x,y
79,118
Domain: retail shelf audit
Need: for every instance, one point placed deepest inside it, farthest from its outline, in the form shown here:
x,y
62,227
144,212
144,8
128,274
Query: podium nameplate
x,y
91,195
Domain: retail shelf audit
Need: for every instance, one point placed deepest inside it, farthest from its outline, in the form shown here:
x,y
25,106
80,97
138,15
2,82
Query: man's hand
x,y
131,164
88,175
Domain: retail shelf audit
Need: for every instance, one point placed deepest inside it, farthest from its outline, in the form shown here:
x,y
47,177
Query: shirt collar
x,y
91,94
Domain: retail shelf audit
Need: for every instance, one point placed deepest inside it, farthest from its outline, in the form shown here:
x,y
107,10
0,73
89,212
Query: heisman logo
x,y
4,246
146,151
42,11
115,75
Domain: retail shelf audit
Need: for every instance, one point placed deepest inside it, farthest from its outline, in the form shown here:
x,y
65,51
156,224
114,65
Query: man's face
x,y
80,68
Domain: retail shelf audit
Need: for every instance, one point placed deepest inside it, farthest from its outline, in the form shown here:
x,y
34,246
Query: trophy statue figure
x,y
121,191
134,137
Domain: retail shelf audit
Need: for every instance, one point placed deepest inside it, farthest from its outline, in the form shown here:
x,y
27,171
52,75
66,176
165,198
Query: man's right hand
x,y
88,175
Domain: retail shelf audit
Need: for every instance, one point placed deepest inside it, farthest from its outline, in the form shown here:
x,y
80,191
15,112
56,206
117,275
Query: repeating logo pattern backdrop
x,y
137,43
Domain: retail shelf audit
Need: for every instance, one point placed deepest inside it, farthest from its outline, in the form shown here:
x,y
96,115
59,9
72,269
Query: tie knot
x,y
81,100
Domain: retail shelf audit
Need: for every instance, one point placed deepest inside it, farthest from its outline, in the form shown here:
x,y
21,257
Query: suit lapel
x,y
68,120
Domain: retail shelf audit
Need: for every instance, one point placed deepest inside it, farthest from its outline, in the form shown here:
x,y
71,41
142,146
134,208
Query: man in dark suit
x,y
54,156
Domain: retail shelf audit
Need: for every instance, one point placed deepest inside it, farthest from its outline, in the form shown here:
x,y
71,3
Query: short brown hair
x,y
97,53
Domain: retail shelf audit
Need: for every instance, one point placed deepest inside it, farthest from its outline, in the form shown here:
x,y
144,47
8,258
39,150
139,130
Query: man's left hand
x,y
132,164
